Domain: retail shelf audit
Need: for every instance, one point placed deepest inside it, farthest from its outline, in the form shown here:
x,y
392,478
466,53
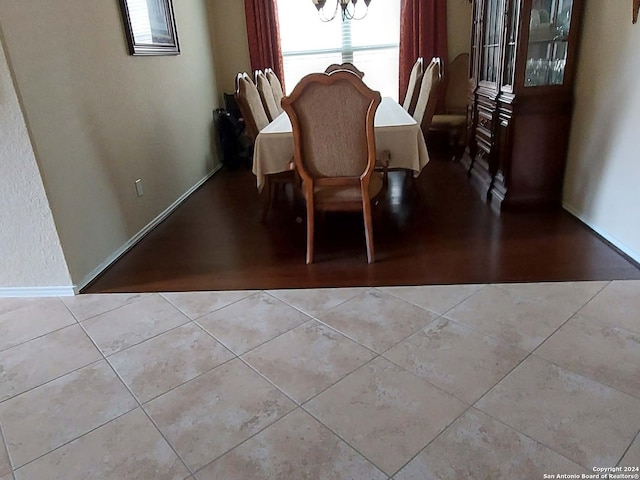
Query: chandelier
x,y
349,10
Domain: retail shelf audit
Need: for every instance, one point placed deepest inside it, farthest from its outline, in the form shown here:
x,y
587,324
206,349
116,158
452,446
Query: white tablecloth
x,y
396,131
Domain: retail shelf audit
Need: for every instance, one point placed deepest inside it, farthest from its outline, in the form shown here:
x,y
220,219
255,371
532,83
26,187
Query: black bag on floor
x,y
236,148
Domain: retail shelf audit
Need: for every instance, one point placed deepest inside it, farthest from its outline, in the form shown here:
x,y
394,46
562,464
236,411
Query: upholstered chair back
x,y
413,87
266,95
428,97
250,104
276,87
332,119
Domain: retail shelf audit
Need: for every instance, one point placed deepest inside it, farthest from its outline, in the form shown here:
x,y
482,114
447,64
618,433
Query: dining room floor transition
x,y
435,230
477,346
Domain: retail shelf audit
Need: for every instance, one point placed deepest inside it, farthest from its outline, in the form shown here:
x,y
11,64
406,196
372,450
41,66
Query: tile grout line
x,y
380,355
3,444
364,289
51,380
39,336
137,344
188,320
570,369
474,405
343,439
301,405
558,365
482,287
469,407
525,296
344,334
511,427
224,344
235,356
532,352
245,440
297,407
502,422
141,295
253,293
146,402
376,356
107,357
139,405
436,318
93,429
637,437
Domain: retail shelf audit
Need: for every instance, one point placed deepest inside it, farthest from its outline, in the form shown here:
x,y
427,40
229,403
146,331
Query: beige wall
x,y
30,251
100,118
601,185
229,34
458,27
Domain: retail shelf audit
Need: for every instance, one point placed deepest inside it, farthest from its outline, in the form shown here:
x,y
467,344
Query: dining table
x,y
397,134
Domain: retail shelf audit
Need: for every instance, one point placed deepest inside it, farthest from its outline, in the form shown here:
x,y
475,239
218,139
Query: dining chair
x,y
453,120
255,118
428,96
413,87
425,106
334,67
250,104
276,87
332,118
266,95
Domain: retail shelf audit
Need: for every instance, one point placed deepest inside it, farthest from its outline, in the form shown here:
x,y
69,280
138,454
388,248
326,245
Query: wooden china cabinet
x,y
522,67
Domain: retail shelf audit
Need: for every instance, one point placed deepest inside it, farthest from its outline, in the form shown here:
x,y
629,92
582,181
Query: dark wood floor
x,y
444,234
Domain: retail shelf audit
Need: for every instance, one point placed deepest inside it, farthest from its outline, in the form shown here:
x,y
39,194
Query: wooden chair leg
x,y
310,229
368,230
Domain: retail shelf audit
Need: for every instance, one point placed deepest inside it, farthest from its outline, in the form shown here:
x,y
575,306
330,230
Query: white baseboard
x,y
65,291
609,238
141,234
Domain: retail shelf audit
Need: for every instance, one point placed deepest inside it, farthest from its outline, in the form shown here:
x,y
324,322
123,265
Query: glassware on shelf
x,y
536,72
556,74
540,71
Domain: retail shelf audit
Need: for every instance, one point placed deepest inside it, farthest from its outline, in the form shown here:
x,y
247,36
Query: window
x,y
371,44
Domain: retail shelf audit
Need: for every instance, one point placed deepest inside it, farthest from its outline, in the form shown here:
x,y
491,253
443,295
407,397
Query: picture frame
x,y
150,27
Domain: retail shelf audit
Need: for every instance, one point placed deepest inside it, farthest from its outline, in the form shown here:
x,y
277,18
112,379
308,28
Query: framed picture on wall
x,y
150,27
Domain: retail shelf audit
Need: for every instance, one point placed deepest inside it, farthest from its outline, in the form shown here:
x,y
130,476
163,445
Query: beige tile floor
x,y
437,382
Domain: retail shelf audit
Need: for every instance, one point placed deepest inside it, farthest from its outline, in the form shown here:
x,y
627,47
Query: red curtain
x,y
263,34
423,33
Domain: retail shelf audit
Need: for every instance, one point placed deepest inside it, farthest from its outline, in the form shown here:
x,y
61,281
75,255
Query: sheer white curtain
x,y
310,45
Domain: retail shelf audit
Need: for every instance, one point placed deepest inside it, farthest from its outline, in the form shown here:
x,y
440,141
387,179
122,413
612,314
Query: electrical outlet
x,y
139,189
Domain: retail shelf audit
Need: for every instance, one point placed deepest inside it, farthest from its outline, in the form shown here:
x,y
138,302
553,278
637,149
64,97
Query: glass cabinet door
x,y
549,24
513,17
491,41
